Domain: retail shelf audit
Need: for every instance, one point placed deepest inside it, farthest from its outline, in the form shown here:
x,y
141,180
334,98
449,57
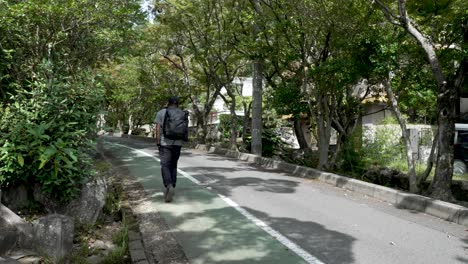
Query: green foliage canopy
x,y
49,96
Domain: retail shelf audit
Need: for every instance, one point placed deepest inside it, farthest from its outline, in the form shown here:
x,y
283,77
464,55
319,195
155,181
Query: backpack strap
x,y
164,125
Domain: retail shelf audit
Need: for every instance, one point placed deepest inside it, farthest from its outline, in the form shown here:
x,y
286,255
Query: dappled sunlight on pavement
x,y
206,227
229,211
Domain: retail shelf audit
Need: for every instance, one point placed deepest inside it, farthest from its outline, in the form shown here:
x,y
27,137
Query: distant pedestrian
x,y
171,126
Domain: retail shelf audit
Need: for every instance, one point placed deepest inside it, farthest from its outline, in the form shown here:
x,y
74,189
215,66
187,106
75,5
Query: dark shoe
x,y
165,192
169,194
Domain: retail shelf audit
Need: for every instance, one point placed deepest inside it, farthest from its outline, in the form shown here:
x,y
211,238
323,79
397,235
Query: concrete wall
x,y
375,113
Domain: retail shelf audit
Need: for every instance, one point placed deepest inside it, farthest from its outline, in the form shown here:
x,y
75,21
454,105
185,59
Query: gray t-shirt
x,y
159,119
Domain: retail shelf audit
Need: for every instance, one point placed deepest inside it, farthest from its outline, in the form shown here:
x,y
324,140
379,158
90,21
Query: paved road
x,y
228,211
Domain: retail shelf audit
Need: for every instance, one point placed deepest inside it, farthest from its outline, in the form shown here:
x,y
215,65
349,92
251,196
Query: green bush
x,y
271,143
45,132
225,125
352,159
139,132
385,149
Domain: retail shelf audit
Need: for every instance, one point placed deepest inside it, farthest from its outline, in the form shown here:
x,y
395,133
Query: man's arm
x,y
157,128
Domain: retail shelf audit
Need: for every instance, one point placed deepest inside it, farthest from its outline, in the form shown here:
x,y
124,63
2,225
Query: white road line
x,y
282,239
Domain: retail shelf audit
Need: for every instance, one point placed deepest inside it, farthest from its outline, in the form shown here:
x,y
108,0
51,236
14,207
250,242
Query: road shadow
x,y
218,233
226,185
214,176
250,164
327,245
464,259
150,176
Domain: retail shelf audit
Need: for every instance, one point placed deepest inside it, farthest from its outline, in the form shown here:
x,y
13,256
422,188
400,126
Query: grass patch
x,y
101,166
121,253
402,165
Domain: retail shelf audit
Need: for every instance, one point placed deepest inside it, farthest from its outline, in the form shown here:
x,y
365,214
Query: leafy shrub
x,y
225,126
352,158
385,148
45,132
139,132
271,143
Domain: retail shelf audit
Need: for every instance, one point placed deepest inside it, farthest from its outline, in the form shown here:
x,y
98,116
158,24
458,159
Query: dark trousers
x,y
169,156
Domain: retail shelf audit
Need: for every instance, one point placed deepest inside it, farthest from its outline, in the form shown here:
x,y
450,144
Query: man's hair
x,y
173,100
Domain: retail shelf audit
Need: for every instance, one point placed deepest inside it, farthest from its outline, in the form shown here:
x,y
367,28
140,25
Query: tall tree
x,y
199,44
447,94
306,42
257,86
130,93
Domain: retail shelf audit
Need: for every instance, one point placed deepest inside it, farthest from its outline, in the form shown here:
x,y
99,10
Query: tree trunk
x,y
232,110
201,130
413,183
323,120
119,126
446,106
343,139
440,187
233,140
257,123
130,124
201,125
323,145
340,142
300,135
345,123
246,123
257,87
430,160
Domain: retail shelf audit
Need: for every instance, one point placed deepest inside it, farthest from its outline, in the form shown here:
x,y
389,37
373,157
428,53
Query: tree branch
x,y
392,18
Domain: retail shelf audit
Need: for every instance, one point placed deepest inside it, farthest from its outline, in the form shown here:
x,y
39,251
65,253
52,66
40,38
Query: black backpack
x,y
176,124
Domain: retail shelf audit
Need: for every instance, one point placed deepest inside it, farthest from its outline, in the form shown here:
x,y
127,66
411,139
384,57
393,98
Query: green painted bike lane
x,y
208,226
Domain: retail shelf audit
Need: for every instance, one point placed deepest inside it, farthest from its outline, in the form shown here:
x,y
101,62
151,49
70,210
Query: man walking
x,y
171,126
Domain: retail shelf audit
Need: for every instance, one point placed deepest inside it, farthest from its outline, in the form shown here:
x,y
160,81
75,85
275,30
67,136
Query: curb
x,y
135,239
402,200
